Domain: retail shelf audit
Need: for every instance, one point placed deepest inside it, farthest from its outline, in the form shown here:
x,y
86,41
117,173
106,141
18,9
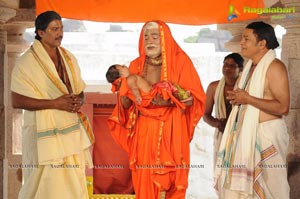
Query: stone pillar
x,y
236,29
6,14
291,57
15,46
2,111
11,35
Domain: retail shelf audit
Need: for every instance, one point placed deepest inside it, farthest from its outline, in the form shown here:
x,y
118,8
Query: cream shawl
x,y
59,133
220,107
236,157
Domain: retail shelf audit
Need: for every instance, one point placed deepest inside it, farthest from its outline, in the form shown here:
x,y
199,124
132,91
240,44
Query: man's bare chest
x,y
153,74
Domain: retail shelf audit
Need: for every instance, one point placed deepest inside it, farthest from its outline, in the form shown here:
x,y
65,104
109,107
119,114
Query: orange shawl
x,y
159,148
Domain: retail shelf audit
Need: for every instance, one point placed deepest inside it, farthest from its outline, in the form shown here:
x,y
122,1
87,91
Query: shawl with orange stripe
x,y
220,111
60,133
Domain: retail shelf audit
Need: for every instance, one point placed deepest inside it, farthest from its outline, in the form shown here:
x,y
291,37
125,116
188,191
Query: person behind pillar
x,y
252,156
56,136
158,148
216,97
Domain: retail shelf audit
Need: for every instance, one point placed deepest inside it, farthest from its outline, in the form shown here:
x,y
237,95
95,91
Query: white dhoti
x,y
273,178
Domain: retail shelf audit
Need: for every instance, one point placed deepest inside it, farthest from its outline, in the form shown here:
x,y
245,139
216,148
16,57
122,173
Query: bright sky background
x,y
185,30
178,31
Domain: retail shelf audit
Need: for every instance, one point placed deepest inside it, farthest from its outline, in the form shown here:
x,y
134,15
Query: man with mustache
x,y
157,137
56,136
216,97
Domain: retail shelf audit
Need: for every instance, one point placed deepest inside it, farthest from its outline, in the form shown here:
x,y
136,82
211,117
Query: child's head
x,y
116,71
112,73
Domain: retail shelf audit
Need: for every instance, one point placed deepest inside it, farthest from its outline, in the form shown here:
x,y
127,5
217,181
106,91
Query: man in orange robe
x,y
157,137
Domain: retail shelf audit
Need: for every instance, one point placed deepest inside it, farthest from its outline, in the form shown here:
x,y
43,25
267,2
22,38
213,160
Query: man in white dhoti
x,y
216,94
251,161
47,84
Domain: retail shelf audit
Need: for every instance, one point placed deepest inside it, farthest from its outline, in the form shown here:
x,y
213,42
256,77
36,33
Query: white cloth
x,y
273,178
220,113
241,146
220,107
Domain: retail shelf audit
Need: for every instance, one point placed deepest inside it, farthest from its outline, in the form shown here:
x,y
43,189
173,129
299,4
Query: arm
x,y
189,101
126,102
277,100
159,101
81,97
79,100
70,103
207,117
